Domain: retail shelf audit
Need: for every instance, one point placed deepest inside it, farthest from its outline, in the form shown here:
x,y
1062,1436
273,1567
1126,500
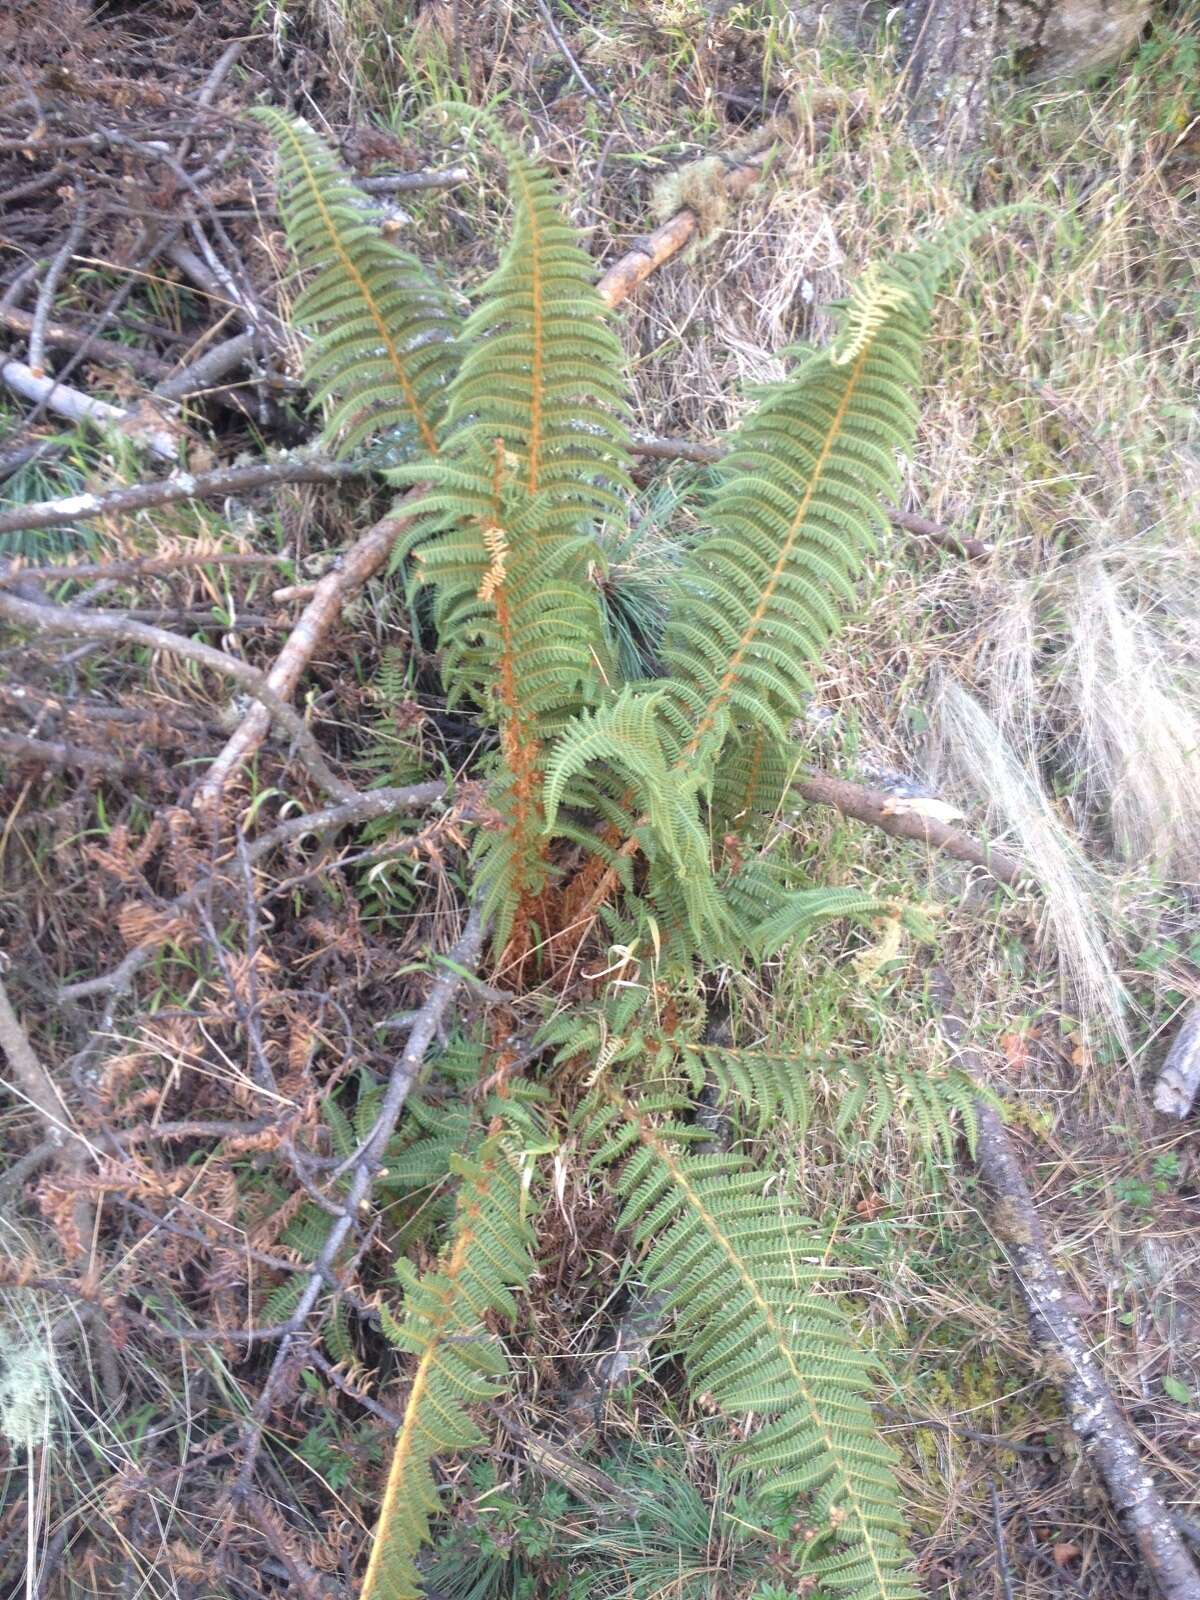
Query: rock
x,y
1062,39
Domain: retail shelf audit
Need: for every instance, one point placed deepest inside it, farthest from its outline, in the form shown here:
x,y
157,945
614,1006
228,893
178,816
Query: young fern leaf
x,y
734,1266
768,1086
382,333
459,1362
803,909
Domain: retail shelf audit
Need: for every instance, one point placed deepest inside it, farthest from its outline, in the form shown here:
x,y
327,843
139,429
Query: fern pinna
x,y
629,790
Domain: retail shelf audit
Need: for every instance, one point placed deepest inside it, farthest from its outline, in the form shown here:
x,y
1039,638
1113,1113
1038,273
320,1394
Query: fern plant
x,y
626,851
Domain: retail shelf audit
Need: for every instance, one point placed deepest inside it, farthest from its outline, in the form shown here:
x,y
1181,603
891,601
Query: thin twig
x,y
169,491
407,182
577,71
71,622
45,300
1001,1550
209,368
465,954
363,558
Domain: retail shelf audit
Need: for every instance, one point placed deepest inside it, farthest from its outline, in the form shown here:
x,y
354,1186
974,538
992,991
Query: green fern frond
x,y
542,370
738,1268
459,1362
938,1104
796,511
382,349
801,910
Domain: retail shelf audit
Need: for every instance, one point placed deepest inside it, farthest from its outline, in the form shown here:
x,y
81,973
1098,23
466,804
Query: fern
x,y
738,1268
536,452
542,372
458,1361
633,766
794,516
382,334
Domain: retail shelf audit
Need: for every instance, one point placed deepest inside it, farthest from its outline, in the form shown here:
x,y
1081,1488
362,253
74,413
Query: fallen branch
x,y
48,290
61,335
364,557
169,491
68,1150
877,809
45,752
649,253
71,622
1094,1416
78,407
319,469
138,567
407,182
33,1083
209,368
369,1158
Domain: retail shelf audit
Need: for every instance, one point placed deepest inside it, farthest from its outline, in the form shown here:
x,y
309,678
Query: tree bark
x,y
950,46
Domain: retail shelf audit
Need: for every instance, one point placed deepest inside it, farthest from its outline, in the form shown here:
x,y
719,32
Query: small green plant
x,y
640,750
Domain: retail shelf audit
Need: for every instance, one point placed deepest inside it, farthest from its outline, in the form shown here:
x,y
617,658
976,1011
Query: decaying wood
x,y
624,276
1179,1079
881,810
1106,1437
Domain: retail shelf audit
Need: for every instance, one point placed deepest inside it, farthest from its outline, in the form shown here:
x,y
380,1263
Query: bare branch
x,y
169,491
368,1159
208,369
1093,1413
879,810
363,558
49,288
138,567
71,622
65,335
24,747
407,182
77,407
